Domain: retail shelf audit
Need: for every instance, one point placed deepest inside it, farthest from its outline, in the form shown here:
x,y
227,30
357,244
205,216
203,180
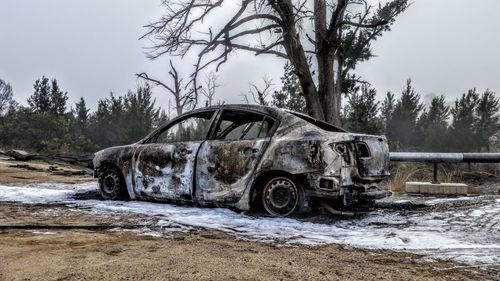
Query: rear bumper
x,y
373,195
350,196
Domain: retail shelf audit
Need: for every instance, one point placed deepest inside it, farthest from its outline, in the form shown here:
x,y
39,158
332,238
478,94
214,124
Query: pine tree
x,y
81,140
432,125
81,113
100,125
361,112
387,109
48,97
289,96
140,113
58,99
124,120
462,133
402,126
40,100
487,123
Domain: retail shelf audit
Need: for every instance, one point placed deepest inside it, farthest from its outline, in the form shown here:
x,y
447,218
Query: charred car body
x,y
246,156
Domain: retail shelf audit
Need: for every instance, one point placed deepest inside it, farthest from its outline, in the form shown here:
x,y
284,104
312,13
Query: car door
x,y
226,161
163,168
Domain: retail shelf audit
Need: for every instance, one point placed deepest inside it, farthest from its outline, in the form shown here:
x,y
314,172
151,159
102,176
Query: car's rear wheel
x,y
111,184
282,197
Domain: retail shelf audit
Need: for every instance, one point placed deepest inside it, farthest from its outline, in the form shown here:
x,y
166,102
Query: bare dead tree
x,y
184,97
209,88
337,33
259,94
6,100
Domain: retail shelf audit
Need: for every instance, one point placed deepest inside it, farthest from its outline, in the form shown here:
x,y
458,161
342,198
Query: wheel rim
x,y
280,197
111,184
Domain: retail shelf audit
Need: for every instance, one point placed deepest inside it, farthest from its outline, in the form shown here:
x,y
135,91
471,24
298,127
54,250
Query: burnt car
x,y
244,157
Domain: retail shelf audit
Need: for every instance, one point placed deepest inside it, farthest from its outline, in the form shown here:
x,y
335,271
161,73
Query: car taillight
x,y
362,150
343,150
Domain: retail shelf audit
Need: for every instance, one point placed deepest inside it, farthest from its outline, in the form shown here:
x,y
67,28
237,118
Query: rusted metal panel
x,y
224,168
164,171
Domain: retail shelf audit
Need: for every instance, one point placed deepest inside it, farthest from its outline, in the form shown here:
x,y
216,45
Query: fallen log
x,y
19,155
26,167
84,160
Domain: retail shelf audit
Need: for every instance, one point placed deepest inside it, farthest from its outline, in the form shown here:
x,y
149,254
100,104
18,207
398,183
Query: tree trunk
x,y
324,56
298,59
337,94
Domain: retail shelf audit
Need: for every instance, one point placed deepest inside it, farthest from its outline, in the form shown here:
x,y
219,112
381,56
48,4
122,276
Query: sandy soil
x,y
39,174
61,244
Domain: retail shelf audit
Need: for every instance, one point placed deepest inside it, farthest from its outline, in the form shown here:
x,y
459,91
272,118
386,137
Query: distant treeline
x,y
49,125
465,125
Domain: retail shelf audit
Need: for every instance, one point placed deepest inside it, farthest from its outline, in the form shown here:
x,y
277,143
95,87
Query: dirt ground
x,y
63,244
36,172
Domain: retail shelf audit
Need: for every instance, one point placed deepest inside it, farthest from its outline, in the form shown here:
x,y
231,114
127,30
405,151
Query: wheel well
x,y
261,180
115,167
108,165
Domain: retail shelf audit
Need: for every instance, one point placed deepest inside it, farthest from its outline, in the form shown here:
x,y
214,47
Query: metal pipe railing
x,y
437,157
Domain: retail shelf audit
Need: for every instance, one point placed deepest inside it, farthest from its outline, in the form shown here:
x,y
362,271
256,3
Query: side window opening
x,y
193,128
238,125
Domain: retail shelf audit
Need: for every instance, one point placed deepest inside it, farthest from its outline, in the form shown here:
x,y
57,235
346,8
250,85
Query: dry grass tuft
x,y
405,172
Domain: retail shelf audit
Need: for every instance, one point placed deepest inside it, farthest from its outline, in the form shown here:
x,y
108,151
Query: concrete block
x,y
436,189
412,188
452,190
424,189
462,189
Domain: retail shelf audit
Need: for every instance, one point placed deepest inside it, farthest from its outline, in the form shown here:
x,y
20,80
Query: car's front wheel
x,y
111,184
282,197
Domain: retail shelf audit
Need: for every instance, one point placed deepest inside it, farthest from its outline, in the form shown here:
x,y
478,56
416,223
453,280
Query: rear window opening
x,y
242,125
318,123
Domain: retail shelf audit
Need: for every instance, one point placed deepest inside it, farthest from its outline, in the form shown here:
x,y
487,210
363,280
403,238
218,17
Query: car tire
x,y
282,197
111,184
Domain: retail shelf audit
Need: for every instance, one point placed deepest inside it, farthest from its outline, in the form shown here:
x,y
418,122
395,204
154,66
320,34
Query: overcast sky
x,y
92,48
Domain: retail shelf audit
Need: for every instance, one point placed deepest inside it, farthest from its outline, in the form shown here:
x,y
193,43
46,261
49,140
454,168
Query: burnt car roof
x,y
253,107
275,112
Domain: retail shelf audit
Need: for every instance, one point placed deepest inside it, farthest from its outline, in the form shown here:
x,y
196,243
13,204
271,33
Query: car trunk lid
x,y
372,155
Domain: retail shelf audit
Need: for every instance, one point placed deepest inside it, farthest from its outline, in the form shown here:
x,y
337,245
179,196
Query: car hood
x,y
113,154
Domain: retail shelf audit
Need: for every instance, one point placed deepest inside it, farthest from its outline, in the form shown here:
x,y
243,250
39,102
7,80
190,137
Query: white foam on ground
x,y
466,235
42,193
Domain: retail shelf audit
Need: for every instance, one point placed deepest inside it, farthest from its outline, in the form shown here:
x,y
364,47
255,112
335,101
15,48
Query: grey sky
x,y
92,48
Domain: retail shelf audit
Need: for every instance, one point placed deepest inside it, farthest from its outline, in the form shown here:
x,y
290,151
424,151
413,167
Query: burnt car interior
x,y
192,128
238,125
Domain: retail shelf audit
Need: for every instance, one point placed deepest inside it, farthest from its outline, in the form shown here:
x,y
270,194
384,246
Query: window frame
x,y
318,123
153,138
219,120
